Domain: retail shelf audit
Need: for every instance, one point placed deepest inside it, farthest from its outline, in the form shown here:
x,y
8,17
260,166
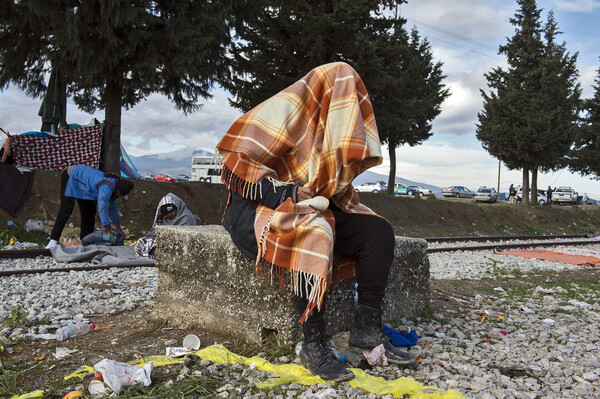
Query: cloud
x,y
164,129
577,5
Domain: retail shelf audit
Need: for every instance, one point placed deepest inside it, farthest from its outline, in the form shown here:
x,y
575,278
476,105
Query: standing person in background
x,y
549,196
512,195
89,187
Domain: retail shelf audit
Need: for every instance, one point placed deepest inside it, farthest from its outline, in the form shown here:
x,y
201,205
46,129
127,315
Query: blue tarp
x,y
128,169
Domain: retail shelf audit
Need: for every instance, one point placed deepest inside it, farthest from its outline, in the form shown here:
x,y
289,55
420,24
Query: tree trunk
x,y
392,175
525,188
112,131
534,173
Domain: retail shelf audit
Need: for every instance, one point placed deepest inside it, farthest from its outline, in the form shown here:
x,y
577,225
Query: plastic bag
x,y
117,374
34,225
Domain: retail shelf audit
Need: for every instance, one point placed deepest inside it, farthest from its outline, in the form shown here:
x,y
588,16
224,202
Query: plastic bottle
x,y
73,330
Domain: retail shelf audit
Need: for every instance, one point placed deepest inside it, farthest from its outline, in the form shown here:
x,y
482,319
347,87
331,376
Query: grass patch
x,y
195,386
428,312
8,382
8,232
271,348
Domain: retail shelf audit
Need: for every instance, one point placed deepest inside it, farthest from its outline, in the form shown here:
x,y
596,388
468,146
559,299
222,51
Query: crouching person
x,y
289,165
90,187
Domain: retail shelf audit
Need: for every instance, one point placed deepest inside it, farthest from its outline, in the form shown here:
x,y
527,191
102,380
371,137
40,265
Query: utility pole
x,y
499,164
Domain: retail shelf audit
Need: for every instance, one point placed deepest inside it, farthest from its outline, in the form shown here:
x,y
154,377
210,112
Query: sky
x,y
464,35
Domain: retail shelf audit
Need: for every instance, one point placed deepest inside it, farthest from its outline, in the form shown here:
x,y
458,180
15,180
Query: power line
x,y
456,35
465,48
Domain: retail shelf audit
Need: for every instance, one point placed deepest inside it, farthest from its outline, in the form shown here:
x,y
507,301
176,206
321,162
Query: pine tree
x,y
294,36
584,158
558,104
530,114
409,95
114,53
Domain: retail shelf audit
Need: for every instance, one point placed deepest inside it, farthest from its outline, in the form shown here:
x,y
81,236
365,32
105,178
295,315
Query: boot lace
x,y
323,351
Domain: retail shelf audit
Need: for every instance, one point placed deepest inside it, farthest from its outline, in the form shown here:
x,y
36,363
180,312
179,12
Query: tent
x,y
128,169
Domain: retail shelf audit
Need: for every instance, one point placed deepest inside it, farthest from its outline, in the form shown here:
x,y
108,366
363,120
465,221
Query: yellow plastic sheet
x,y
31,395
80,373
398,387
288,373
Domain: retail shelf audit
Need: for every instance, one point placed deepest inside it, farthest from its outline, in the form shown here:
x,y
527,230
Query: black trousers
x,y
370,239
87,209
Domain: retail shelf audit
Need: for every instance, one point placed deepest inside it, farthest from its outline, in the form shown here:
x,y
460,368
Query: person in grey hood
x,y
171,210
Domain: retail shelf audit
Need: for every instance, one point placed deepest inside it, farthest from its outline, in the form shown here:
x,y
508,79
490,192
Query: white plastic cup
x,y
191,341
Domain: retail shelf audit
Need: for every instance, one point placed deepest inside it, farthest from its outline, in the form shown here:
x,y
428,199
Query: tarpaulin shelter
x,y
127,167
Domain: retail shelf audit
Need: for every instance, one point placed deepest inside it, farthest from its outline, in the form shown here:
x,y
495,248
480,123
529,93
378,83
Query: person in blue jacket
x,y
90,187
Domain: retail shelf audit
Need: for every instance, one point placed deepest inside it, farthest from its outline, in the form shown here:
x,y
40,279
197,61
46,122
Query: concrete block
x,y
205,282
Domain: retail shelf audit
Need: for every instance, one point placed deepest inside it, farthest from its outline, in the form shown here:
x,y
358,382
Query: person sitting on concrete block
x,y
289,164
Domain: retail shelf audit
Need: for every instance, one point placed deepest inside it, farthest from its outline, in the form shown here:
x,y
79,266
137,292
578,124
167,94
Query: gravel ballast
x,y
494,345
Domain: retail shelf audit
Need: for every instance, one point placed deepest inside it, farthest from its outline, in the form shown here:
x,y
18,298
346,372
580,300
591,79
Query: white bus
x,y
206,169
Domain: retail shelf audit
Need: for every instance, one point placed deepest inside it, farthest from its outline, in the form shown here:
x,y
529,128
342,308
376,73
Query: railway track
x,y
500,238
501,244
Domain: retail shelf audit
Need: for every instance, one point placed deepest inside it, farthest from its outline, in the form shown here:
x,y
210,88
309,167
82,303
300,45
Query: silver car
x,y
457,192
422,191
486,194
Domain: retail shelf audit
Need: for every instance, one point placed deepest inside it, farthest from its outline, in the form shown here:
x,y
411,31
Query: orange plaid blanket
x,y
320,133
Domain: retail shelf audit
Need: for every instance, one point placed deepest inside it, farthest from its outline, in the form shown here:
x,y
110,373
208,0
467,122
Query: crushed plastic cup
x,y
191,341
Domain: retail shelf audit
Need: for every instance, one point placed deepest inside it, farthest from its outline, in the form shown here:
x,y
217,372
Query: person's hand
x,y
305,193
121,232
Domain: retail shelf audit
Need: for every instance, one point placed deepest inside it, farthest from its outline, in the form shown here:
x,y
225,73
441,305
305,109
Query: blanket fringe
x,y
242,187
314,286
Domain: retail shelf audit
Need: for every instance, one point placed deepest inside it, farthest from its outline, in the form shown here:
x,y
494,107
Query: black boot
x,y
317,355
367,333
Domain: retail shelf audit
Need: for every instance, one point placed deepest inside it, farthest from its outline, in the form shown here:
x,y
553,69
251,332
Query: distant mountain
x,y
173,163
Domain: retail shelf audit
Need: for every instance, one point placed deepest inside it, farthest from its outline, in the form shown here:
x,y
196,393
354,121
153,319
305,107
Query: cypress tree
x,y
529,115
292,37
584,157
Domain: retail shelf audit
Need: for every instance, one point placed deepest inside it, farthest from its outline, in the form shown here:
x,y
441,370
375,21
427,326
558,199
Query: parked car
x,y
149,177
182,177
422,191
564,195
370,187
164,177
486,194
541,196
457,192
400,189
